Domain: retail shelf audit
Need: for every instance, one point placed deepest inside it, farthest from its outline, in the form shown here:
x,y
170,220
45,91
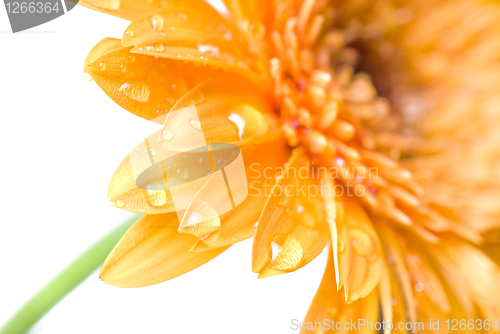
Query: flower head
x,y
369,126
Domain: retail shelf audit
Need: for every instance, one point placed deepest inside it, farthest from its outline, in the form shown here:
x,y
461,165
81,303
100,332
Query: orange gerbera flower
x,y
400,99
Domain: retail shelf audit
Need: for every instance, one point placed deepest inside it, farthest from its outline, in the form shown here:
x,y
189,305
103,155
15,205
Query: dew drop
x,y
239,122
285,252
195,124
142,210
419,286
123,68
156,22
233,238
155,194
132,58
156,47
129,33
139,92
255,225
167,135
152,151
209,49
394,301
119,203
124,86
362,243
276,250
102,66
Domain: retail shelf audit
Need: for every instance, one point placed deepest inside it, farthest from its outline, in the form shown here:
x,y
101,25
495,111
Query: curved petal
x,y
229,110
221,111
477,271
197,34
400,280
359,253
239,224
329,305
152,252
291,230
125,9
146,86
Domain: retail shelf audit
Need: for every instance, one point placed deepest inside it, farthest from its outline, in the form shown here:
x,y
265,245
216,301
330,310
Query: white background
x,y
61,139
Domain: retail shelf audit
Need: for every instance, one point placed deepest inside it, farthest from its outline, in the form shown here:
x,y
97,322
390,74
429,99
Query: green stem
x,y
65,282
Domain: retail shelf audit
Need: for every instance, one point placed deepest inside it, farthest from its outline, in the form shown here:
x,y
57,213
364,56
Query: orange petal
x,y
224,110
329,304
291,231
152,252
197,34
125,9
221,111
359,258
423,276
385,297
477,271
146,86
400,280
239,224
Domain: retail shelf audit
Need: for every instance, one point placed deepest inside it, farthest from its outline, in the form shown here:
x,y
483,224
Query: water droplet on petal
x,y
419,287
119,203
156,47
124,86
152,151
255,225
156,22
209,49
362,243
276,250
139,92
102,66
155,194
239,122
285,252
123,68
167,135
195,124
129,33
142,210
